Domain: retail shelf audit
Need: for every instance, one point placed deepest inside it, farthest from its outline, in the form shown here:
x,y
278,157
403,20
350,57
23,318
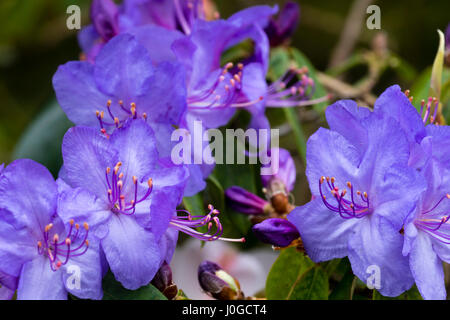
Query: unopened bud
x,y
244,201
276,231
163,281
217,283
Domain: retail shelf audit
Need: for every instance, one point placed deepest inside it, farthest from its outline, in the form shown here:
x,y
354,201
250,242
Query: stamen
x,y
438,228
294,89
118,200
189,222
58,252
347,208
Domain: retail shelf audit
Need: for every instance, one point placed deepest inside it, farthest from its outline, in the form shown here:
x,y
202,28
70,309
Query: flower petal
x,y
330,154
324,233
17,246
122,68
377,245
95,210
72,79
27,194
136,148
82,275
344,117
394,103
132,252
86,155
38,282
427,269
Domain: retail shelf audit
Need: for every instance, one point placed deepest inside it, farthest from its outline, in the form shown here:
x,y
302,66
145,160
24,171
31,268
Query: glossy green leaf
x,y
113,290
294,276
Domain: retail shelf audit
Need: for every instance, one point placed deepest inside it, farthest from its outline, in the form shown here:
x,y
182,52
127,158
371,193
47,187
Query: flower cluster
x,y
380,185
147,68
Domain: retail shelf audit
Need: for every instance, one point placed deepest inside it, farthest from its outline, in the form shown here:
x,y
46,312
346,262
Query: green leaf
x,y
436,71
42,140
411,294
194,204
113,290
294,276
343,289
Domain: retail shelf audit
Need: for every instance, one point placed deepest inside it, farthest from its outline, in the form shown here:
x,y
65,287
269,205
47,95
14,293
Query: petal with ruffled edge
x,y
377,245
392,186
77,93
165,101
38,282
27,195
17,246
427,269
394,103
132,252
158,41
440,143
144,12
330,154
86,155
344,117
259,15
324,233
95,211
122,68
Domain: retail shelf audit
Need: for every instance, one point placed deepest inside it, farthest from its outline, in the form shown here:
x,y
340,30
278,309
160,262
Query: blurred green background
x,y
34,40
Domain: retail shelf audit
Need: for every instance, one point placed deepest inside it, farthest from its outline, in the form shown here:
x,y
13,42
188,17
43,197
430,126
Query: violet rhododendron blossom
x,y
427,233
363,190
128,195
122,84
38,251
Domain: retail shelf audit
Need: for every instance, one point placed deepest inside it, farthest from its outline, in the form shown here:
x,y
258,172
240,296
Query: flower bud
x,y
163,281
105,18
282,27
217,283
276,231
244,201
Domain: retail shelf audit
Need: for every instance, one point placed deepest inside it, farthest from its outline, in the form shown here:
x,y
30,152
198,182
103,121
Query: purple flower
x,y
276,231
215,91
105,18
49,258
127,194
244,201
122,84
417,126
363,190
282,27
427,233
